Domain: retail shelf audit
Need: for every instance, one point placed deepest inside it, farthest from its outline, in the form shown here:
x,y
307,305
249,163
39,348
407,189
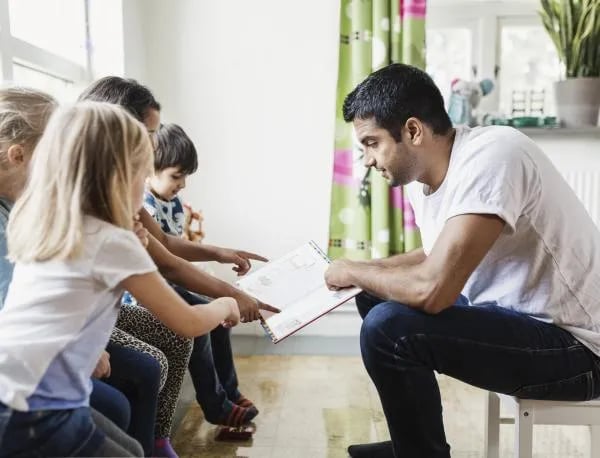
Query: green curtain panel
x,y
369,219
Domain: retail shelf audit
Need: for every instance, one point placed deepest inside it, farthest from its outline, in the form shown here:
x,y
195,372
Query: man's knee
x,y
385,326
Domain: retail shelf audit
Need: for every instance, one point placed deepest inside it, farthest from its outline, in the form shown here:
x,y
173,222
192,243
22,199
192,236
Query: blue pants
x,y
137,376
211,366
49,433
111,403
486,346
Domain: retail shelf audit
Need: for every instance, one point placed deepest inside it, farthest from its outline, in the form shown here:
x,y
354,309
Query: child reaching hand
x,y
71,268
211,364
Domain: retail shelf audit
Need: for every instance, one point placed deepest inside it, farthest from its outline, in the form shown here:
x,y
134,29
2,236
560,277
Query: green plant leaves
x,y
574,28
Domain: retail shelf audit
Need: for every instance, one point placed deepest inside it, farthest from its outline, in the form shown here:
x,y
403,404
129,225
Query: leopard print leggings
x,y
137,328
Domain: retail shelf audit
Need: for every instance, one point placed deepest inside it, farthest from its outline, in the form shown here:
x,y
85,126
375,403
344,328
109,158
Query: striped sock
x,y
237,416
243,401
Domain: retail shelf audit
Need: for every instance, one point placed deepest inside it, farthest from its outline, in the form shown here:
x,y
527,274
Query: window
x,y
44,45
502,41
58,26
449,56
528,68
60,88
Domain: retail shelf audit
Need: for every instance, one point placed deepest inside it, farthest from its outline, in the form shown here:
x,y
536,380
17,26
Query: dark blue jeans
x,y
137,376
211,366
486,346
48,433
111,403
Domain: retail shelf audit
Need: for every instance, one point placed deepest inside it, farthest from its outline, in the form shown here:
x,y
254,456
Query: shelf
x,y
590,131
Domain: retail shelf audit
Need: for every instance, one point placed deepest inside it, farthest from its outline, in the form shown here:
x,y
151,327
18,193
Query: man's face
x,y
168,182
394,160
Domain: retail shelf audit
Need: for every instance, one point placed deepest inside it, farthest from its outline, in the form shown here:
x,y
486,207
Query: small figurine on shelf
x,y
464,99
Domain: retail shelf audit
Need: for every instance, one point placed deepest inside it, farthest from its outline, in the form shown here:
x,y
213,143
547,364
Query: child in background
x,y
211,364
71,269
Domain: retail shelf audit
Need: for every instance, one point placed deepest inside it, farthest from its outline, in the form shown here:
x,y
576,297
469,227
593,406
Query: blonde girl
x,y
74,251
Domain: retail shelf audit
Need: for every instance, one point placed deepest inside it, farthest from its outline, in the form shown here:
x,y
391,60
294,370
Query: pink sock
x,y
163,448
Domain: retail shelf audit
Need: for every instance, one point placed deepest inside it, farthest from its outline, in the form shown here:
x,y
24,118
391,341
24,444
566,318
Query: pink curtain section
x,y
342,169
400,201
412,8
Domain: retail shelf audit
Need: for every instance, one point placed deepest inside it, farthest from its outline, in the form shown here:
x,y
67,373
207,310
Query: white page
x,y
295,284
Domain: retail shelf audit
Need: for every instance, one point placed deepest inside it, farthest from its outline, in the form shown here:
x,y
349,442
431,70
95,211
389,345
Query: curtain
x,y
369,219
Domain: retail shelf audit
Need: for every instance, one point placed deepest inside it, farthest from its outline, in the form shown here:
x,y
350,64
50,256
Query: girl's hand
x,y
103,366
140,231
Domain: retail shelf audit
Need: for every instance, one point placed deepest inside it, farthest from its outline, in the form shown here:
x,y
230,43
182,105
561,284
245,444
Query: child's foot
x,y
243,401
235,415
164,449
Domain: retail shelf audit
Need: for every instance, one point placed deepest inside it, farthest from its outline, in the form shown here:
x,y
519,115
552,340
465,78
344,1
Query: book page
x,y
295,284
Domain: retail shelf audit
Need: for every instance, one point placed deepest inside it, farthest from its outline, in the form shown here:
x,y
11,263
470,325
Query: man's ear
x,y
415,129
16,155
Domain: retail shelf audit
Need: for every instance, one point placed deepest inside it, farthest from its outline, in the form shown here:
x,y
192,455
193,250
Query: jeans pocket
x,y
578,388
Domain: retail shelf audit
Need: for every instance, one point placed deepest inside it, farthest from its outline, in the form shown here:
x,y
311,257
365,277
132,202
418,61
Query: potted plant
x,y
574,27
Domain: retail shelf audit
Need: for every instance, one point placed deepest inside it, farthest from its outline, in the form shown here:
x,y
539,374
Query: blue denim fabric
x,y
111,403
137,376
211,366
487,346
46,433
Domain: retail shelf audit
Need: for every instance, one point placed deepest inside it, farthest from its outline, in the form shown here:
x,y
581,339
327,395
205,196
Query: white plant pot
x,y
578,101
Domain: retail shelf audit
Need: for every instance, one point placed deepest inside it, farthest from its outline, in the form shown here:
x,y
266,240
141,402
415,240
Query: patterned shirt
x,y
169,214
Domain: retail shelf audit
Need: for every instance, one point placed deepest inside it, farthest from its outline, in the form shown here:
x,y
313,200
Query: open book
x,y
295,284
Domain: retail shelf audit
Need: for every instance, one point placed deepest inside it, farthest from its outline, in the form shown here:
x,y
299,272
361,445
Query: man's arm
x,y
187,275
411,258
192,251
435,283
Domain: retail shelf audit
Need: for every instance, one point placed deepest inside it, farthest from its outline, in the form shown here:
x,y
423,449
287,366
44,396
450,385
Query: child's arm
x,y
192,251
166,305
185,274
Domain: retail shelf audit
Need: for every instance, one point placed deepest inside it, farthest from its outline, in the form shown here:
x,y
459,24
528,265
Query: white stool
x,y
528,412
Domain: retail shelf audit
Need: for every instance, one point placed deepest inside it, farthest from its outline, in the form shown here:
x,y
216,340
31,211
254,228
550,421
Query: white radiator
x,y
586,185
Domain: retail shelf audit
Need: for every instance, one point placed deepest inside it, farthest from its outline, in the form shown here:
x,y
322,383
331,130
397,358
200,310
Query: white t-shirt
x,y
58,316
546,262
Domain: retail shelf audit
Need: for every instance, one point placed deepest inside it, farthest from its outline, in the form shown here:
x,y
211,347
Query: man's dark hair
x,y
136,98
175,149
395,93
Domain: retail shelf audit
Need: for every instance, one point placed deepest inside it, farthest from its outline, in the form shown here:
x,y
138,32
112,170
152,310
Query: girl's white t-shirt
x,y
58,316
546,262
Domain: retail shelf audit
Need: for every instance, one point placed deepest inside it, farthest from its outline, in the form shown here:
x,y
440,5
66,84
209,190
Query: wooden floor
x,y
315,406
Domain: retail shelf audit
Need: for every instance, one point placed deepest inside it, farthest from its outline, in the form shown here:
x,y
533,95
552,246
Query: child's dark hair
x,y
175,149
136,98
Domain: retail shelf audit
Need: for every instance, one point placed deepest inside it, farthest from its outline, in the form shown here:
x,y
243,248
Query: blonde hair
x,y
84,164
24,114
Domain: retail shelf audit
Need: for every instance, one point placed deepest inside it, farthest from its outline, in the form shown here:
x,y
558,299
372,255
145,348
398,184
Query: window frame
x,y
15,50
485,19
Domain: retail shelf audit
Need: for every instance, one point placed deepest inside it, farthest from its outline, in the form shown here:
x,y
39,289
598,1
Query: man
x,y
504,294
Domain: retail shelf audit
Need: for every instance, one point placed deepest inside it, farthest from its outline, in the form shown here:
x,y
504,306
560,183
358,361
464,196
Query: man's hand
x,y
103,366
249,308
240,258
140,231
338,274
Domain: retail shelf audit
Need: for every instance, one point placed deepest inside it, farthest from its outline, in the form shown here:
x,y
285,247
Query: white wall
x,y
253,84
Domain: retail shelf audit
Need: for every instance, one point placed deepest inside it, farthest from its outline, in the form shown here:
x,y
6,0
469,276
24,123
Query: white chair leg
x,y
492,426
595,441
524,432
